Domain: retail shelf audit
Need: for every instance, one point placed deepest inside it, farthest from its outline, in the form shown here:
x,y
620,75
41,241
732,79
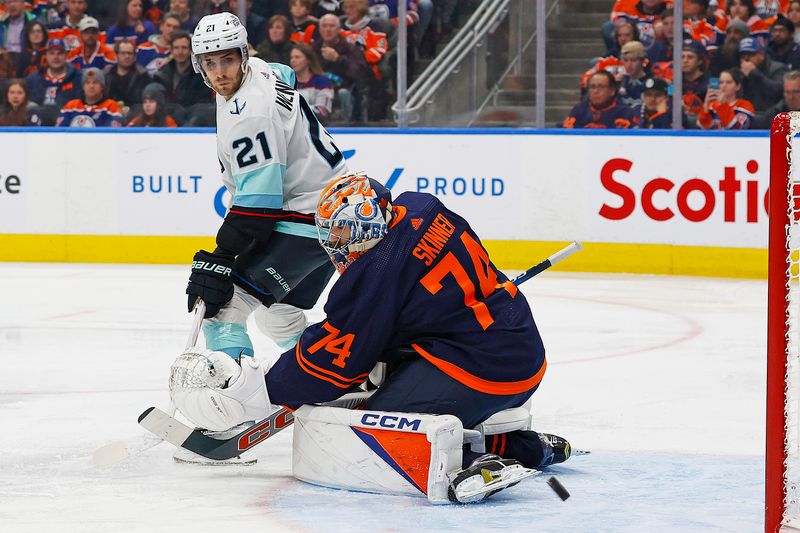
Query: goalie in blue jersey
x,y
419,295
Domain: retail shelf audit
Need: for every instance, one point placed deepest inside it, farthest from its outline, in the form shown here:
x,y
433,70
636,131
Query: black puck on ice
x,y
558,488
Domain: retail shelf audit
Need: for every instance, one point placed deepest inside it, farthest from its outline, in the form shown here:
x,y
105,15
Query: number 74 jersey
x,y
274,152
429,289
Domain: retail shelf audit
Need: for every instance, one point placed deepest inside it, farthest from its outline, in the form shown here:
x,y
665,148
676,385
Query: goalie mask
x,y
353,215
215,33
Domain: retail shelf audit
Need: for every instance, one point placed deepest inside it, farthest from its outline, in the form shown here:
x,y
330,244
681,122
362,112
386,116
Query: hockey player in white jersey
x,y
276,158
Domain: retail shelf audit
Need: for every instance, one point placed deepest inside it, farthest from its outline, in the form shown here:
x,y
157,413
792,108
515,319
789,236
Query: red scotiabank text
x,y
662,199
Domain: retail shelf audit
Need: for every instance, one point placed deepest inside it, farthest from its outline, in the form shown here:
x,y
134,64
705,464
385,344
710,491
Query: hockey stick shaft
x,y
118,451
196,441
557,257
197,322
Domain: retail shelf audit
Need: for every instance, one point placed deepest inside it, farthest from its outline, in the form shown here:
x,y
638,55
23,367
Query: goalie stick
x,y
118,451
195,440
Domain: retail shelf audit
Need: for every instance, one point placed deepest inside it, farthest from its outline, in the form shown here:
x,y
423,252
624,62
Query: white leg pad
x,y
282,323
505,421
377,451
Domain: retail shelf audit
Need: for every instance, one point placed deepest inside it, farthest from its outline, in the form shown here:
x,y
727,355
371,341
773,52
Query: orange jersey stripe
x,y
499,388
327,375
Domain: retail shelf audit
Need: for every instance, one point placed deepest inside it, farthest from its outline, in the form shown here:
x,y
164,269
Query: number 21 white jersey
x,y
274,152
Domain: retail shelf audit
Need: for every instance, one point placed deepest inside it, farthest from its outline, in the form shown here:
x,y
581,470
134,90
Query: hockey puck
x,y
558,488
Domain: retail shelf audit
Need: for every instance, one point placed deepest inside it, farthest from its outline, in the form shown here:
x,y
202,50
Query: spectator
x,y
601,109
131,24
126,80
303,24
18,110
312,83
793,14
699,24
154,111
782,46
256,25
344,64
745,11
183,86
661,51
94,109
695,79
217,6
655,114
724,108
763,82
32,58
790,102
56,85
769,9
326,7
277,47
104,11
50,11
357,18
375,44
646,15
183,9
624,31
154,10
6,70
11,28
152,54
727,56
632,81
67,29
91,52
270,8
387,9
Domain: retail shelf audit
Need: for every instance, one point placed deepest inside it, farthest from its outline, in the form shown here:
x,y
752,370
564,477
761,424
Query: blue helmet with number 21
x,y
353,215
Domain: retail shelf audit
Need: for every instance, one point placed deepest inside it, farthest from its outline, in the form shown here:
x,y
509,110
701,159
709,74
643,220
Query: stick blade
x,y
162,425
111,454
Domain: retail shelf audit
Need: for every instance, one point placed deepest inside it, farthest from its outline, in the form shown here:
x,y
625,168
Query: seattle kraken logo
x,y
238,109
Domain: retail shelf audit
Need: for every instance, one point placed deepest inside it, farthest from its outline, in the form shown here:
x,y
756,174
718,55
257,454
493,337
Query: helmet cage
x,y
357,222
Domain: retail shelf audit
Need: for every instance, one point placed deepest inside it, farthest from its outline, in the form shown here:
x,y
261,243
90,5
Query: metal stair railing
x,y
453,86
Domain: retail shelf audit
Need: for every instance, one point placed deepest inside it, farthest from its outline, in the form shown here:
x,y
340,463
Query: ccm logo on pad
x,y
391,422
219,269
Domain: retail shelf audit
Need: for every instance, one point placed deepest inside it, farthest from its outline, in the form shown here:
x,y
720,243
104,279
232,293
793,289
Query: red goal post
x,y
782,498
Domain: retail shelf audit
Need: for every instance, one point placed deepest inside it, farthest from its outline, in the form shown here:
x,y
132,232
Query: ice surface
x,y
661,377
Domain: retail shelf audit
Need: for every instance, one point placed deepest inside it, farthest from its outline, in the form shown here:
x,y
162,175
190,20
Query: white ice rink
x,y
662,378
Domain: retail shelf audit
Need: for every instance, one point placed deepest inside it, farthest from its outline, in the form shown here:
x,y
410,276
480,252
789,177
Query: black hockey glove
x,y
210,281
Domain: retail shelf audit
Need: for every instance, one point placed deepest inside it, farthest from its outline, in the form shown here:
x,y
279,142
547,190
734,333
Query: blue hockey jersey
x,y
430,287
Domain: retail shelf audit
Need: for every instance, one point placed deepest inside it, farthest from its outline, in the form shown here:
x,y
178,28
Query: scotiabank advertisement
x,y
683,190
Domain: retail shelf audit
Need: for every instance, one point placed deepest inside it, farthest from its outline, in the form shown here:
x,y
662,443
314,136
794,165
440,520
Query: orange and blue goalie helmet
x,y
353,215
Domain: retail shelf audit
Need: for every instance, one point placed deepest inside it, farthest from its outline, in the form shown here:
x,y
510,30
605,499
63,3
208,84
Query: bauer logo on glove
x,y
211,281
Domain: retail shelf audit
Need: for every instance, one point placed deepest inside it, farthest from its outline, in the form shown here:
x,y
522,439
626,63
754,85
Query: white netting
x,y
792,406
193,369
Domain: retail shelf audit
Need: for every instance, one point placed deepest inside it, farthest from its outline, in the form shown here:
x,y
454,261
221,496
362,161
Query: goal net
x,y
782,511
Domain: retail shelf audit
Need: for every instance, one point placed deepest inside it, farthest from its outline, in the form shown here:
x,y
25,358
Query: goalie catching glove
x,y
215,393
211,281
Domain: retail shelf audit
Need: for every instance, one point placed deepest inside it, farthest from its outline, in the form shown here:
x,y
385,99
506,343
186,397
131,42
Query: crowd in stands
x,y
740,66
87,63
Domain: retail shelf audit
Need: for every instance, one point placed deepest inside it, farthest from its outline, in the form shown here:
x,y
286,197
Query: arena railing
x,y
454,85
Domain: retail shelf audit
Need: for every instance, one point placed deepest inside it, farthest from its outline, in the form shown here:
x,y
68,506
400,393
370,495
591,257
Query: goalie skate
x,y
487,474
